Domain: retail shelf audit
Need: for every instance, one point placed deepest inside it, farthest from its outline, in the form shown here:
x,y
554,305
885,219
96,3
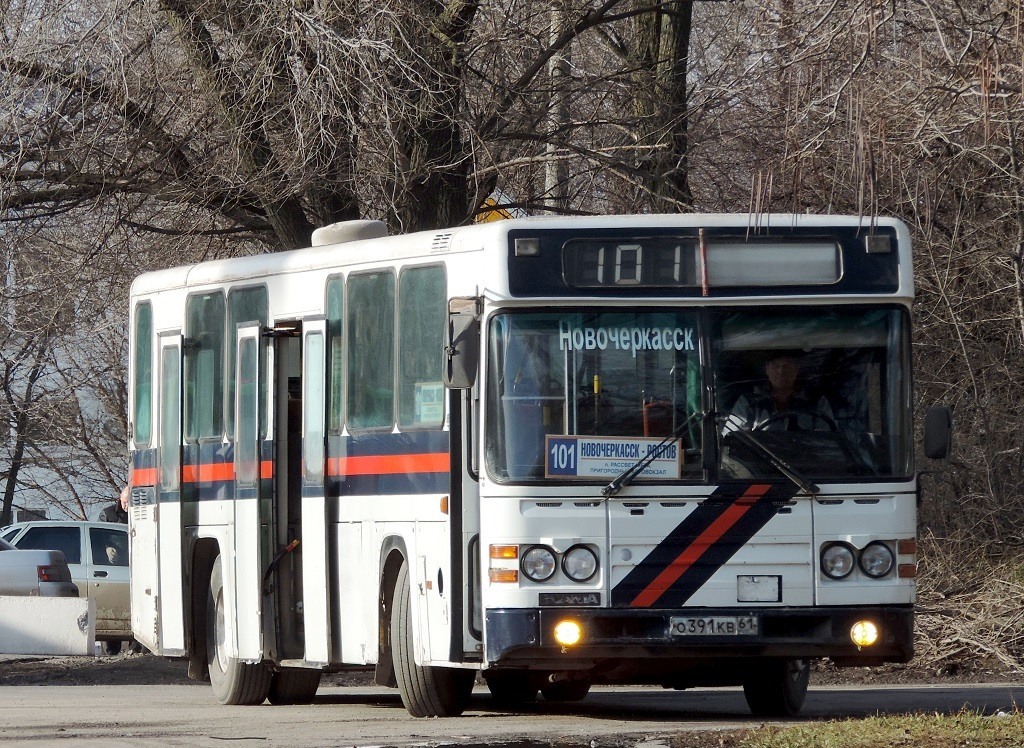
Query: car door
x,y
107,555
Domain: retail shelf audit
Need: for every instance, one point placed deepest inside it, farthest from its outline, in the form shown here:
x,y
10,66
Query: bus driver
x,y
781,405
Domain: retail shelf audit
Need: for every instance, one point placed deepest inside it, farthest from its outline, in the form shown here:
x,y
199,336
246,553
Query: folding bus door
x,y
315,576
251,531
168,498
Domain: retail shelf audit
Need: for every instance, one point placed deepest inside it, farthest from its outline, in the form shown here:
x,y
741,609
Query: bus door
x,y
251,526
168,499
284,612
462,358
315,577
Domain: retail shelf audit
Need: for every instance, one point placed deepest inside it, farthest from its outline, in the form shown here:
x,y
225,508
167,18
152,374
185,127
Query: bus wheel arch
x,y
393,556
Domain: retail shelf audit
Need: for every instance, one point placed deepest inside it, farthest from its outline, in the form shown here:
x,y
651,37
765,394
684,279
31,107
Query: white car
x,y
34,573
97,555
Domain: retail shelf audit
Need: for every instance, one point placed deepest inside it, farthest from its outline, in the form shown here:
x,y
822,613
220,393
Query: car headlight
x,y
837,560
538,563
579,563
876,560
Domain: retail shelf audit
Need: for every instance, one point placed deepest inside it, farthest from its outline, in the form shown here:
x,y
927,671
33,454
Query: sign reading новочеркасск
x,y
607,457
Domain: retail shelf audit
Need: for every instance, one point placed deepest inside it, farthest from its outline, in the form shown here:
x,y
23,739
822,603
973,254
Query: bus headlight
x,y
876,560
579,563
837,560
538,563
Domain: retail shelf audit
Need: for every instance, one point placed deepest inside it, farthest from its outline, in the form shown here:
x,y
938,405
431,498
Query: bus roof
x,y
477,237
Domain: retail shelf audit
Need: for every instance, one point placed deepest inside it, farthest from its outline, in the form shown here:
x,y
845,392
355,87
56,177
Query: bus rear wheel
x,y
293,686
777,688
426,691
233,681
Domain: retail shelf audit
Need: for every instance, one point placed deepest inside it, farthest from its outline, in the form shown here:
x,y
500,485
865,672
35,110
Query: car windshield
x,y
826,392
5,546
584,394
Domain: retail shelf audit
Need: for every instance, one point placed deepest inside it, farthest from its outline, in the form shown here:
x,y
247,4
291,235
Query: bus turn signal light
x,y
503,575
864,633
504,551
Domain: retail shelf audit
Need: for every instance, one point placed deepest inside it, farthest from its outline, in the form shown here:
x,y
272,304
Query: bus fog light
x,y
837,560
579,563
538,563
877,559
568,633
864,633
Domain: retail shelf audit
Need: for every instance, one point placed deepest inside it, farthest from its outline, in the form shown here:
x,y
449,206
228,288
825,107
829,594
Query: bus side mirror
x,y
462,346
938,432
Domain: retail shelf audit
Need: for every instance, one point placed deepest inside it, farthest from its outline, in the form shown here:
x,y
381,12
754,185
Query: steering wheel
x,y
784,414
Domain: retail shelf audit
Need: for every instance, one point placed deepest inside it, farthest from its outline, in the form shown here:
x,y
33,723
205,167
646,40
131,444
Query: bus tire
x,y
511,688
233,681
426,691
566,690
293,685
777,688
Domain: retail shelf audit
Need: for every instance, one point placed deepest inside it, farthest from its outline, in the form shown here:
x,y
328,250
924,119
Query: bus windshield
x,y
826,391
586,394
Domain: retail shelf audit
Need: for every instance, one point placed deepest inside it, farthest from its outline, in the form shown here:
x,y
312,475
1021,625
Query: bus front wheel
x,y
777,688
426,691
233,681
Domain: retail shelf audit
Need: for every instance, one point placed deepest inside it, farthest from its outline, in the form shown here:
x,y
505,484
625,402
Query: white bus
x,y
667,450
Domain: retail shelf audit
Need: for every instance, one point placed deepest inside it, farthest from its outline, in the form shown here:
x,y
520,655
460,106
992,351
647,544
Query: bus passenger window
x,y
371,342
421,320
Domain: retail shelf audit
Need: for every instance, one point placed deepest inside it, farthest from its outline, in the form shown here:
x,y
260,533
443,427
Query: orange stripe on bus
x,y
209,472
429,462
143,477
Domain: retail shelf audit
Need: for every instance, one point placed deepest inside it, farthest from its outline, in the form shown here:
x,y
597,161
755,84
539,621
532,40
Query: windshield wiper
x,y
627,475
781,465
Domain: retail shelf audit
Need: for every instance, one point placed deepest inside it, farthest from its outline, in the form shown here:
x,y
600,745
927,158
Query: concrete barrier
x,y
47,625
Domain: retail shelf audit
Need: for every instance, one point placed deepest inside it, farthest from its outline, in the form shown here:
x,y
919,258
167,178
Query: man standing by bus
x,y
118,511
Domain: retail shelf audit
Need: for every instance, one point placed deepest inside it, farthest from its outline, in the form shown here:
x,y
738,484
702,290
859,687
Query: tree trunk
x,y
662,51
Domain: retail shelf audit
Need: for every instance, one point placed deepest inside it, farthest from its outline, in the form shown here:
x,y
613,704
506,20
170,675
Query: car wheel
x,y
233,681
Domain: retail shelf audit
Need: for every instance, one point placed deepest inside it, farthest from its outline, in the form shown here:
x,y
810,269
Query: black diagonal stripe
x,y
687,531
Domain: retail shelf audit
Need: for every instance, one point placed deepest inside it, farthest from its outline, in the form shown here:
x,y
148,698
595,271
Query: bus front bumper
x,y
525,637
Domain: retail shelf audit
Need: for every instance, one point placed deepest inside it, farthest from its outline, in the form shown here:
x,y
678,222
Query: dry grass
x,y
970,616
914,731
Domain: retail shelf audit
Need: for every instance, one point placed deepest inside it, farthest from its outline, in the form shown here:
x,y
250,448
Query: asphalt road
x,y
364,716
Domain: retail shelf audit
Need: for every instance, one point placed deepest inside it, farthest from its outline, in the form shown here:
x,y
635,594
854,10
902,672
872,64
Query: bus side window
x,y
421,321
371,344
204,366
142,406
